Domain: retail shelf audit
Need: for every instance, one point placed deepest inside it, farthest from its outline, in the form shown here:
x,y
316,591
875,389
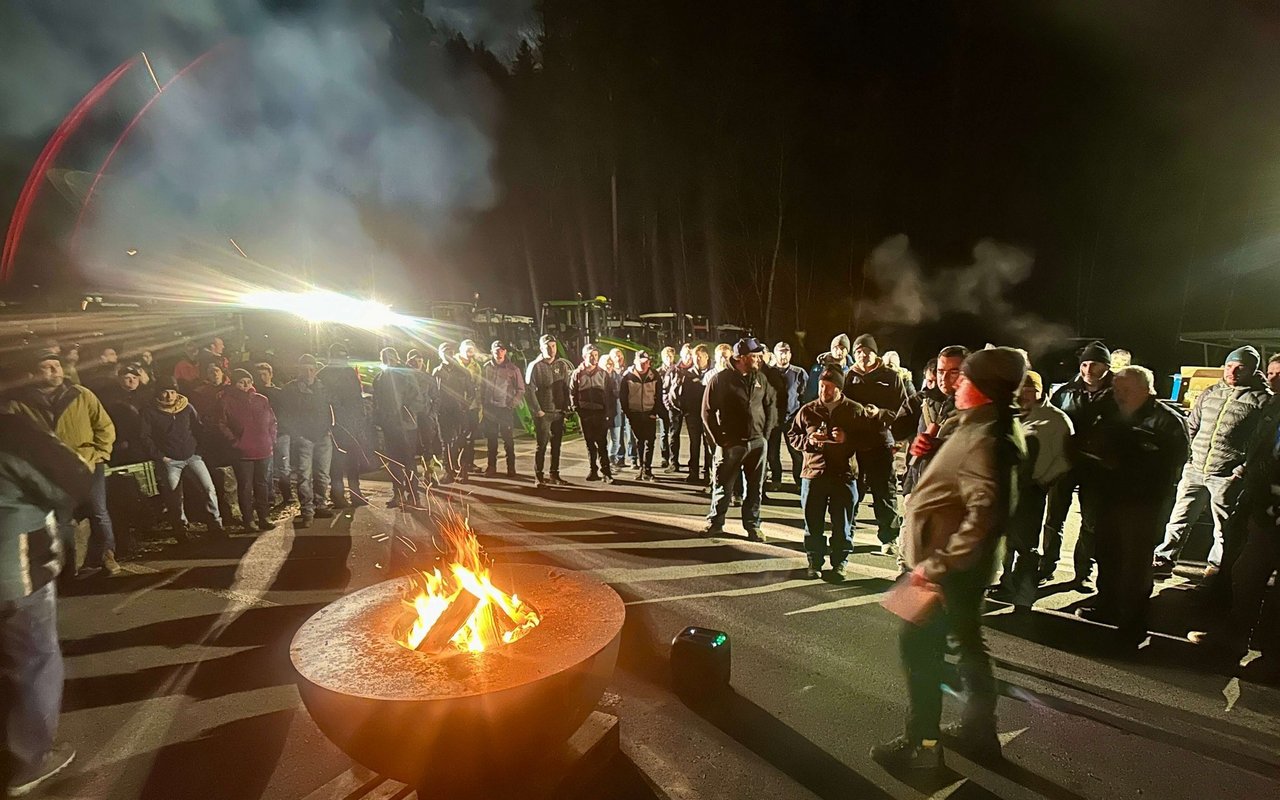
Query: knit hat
x,y
1247,356
131,369
841,340
43,354
867,341
238,375
164,383
1035,380
307,360
997,372
1096,351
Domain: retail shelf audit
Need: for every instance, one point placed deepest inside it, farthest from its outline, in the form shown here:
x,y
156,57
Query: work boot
x,y
836,573
713,528
754,535
55,761
889,549
109,563
901,753
608,477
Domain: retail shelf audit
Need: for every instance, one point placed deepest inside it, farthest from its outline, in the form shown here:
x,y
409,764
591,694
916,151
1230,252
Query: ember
x,y
459,608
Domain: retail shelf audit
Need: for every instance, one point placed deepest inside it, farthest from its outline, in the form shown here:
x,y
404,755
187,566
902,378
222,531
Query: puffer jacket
x,y
1222,424
503,385
592,390
965,497
75,415
547,385
641,393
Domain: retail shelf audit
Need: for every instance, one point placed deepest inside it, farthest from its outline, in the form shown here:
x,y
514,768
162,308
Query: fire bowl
x,y
459,721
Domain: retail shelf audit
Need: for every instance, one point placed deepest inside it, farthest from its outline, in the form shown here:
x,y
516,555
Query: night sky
x,y
935,172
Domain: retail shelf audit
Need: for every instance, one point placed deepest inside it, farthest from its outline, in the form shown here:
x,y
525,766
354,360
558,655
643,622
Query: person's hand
x,y
540,414
818,438
837,435
923,445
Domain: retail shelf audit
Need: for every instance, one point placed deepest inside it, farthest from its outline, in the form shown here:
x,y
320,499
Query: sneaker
x,y
55,761
304,520
713,529
608,477
980,745
323,512
109,563
902,753
1162,567
647,477
556,480
813,572
836,573
889,549
670,467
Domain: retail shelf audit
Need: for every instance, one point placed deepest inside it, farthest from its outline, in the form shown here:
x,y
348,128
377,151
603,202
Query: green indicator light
x,y
719,640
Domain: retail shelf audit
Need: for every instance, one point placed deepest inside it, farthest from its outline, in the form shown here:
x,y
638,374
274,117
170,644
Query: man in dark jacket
x,y
928,417
687,389
954,520
791,392
395,394
737,411
426,412
822,430
872,382
308,416
674,414
641,400
1139,447
501,391
547,392
40,479
351,454
125,502
1222,424
1083,399
592,396
453,410
280,474
170,431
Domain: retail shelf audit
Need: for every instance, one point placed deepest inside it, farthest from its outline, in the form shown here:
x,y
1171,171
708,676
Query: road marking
x,y
630,575
781,586
848,602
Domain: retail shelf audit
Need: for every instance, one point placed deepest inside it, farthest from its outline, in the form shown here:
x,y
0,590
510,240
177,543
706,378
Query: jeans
x,y
172,470
1056,519
700,451
1195,490
281,477
731,463
662,424
875,466
500,422
31,666
102,537
923,649
828,495
550,430
595,427
252,490
675,421
620,440
1021,554
311,458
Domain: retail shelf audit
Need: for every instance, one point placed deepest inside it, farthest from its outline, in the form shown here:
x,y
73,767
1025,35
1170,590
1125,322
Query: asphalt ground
x,y
179,683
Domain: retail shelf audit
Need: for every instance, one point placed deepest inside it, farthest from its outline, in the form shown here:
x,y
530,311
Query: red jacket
x,y
247,422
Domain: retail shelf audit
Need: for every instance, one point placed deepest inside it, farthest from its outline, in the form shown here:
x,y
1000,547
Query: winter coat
x,y
592,391
1050,429
395,396
796,382
247,422
305,410
170,433
819,366
1083,406
963,501
457,390
831,459
207,402
547,385
881,387
1139,458
39,476
502,385
688,385
778,383
641,394
917,415
737,408
187,373
428,404
342,383
123,407
1222,424
73,414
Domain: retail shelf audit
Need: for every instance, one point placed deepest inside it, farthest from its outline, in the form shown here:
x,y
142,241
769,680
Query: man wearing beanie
x,y
1083,399
1222,423
501,390
837,357
954,520
872,382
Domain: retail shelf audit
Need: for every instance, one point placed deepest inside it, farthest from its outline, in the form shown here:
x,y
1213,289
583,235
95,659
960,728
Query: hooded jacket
x,y
1222,424
641,393
881,386
246,420
73,414
170,432
737,408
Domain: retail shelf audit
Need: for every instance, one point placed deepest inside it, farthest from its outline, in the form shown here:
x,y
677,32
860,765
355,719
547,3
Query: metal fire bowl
x,y
457,721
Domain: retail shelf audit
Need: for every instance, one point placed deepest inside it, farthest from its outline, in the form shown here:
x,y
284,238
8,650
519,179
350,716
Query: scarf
x,y
179,403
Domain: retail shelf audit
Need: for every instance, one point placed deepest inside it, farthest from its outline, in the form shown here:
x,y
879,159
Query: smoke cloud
x,y
906,296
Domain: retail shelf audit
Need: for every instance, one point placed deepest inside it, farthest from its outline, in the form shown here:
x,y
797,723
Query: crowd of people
x,y
971,473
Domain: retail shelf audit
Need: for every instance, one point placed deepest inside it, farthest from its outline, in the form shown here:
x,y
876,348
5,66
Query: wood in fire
x,y
449,623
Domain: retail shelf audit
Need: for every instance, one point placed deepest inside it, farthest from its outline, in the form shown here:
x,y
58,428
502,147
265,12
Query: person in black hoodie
x,y
170,429
1083,399
125,501
872,382
351,453
591,397
641,400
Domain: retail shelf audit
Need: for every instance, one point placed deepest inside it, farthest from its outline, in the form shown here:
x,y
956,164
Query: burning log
x,y
449,623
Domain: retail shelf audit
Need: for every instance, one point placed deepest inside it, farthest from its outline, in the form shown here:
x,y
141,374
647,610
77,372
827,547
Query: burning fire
x,y
460,607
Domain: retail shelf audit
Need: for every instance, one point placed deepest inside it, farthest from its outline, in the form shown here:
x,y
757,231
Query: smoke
x,y
980,289
300,135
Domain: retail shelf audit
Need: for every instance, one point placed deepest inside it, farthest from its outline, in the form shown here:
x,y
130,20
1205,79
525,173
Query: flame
x,y
498,618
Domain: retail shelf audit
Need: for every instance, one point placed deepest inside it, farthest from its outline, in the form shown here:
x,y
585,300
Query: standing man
x,y
547,393
929,417
502,388
686,393
665,433
737,410
1140,447
126,504
837,356
41,480
452,411
1221,425
591,396
248,425
308,415
675,414
395,394
469,359
279,476
821,431
350,427
641,399
872,382
76,416
954,520
1083,400
622,441
427,415
1273,374
171,433
791,396
187,371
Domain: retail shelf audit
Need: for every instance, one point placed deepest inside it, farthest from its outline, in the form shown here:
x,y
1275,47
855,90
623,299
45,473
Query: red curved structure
x,y
31,189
